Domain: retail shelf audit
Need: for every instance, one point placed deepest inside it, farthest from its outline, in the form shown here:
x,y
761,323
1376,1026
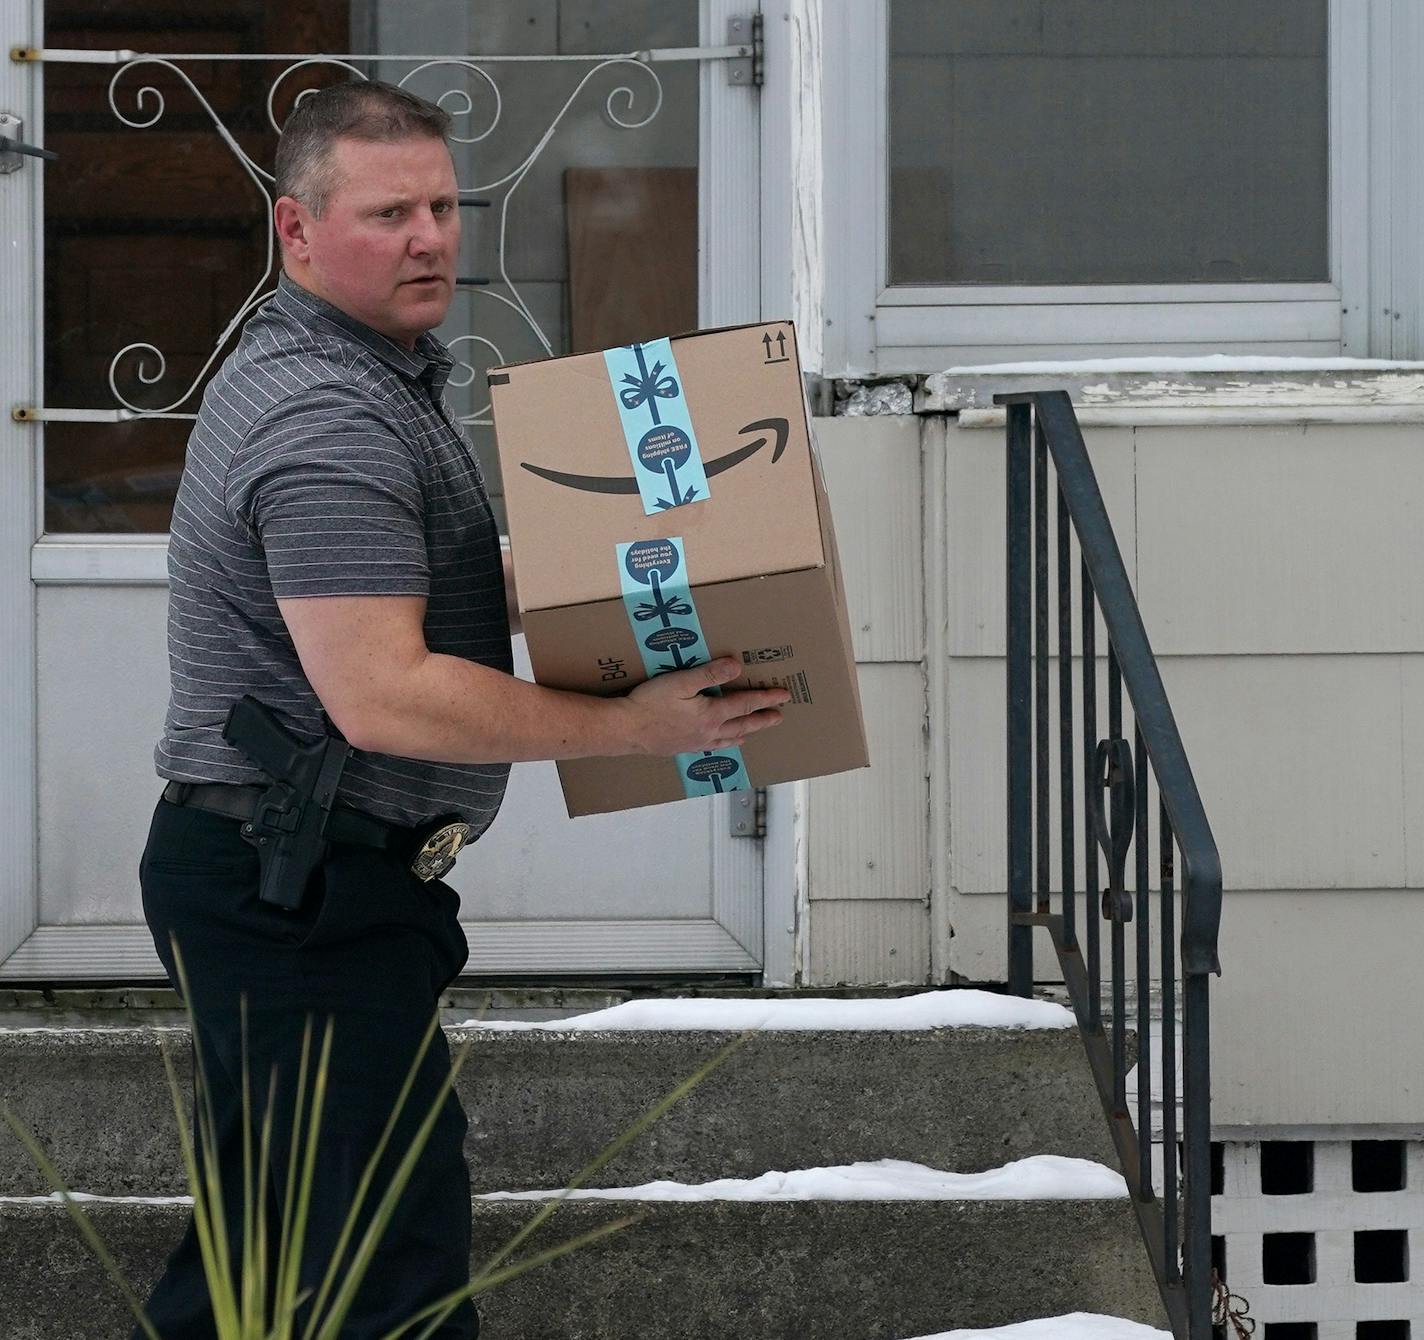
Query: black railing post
x,y
1042,864
1020,744
1043,436
1171,1226
1090,845
1144,970
1065,721
1196,1131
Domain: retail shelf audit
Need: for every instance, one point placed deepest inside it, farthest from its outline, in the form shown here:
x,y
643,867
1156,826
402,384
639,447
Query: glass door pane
x,y
155,237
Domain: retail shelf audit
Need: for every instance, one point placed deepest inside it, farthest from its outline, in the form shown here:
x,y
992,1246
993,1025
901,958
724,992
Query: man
x,y
333,552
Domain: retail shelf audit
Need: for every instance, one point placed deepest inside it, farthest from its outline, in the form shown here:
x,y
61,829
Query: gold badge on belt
x,y
440,850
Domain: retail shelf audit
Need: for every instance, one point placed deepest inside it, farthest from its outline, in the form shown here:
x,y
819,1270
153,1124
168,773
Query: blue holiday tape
x,y
658,598
657,425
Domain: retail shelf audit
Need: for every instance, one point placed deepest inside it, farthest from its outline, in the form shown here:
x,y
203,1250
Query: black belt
x,y
430,850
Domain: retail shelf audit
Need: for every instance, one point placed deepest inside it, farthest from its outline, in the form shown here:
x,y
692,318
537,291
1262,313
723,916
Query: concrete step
x,y
542,1104
775,1270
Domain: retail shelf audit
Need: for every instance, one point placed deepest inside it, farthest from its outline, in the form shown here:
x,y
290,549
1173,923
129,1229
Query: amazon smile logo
x,y
771,430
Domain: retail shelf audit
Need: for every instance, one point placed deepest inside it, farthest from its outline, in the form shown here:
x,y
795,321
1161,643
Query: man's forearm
x,y
451,710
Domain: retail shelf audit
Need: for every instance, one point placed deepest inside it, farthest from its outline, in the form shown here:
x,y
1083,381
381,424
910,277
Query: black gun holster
x,y
289,826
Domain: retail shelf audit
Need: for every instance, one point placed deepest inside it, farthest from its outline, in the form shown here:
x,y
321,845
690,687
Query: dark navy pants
x,y
371,949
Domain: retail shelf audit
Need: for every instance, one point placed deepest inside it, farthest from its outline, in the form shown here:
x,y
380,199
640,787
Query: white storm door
x,y
83,664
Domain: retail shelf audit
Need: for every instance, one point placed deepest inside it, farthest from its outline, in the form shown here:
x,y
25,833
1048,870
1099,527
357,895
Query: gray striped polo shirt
x,y
325,462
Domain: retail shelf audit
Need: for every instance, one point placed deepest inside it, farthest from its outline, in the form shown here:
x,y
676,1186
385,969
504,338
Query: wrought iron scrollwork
x,y
151,106
1112,768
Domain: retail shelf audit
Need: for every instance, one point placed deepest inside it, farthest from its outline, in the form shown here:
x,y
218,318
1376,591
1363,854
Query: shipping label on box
x,y
666,507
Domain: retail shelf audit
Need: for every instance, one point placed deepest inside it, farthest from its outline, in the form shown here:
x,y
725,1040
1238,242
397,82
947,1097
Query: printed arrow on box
x,y
779,429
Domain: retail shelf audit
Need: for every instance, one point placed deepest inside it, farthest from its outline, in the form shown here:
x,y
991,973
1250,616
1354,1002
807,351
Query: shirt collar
x,y
429,362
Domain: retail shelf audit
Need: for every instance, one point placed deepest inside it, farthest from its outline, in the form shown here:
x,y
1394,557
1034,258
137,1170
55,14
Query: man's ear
x,y
293,220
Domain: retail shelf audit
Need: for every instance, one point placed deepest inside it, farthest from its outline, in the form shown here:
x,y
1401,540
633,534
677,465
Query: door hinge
x,y
748,811
748,31
13,150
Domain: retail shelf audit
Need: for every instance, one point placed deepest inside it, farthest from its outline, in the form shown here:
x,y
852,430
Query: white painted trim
x,y
779,885
850,153
776,165
92,560
913,359
1395,192
1145,324
1129,416
1255,1134
792,150
934,472
729,205
21,487
553,948
1350,171
1381,98
737,881
868,329
801,875
986,295
808,202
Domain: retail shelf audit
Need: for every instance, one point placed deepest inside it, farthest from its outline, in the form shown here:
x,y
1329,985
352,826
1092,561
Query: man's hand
x,y
671,714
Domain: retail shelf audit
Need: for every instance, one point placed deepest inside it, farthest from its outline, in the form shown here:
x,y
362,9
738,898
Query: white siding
x,y
1316,534
1278,572
974,543
857,942
868,831
867,828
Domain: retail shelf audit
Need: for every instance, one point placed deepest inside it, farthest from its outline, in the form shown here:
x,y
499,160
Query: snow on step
x,y
929,1009
1190,363
1075,1326
1042,1177
55,1198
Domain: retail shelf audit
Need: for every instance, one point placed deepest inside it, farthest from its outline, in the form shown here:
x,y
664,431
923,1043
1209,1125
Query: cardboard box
x,y
666,506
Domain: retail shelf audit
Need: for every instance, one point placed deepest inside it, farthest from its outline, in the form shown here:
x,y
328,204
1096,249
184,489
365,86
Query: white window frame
x,y
872,328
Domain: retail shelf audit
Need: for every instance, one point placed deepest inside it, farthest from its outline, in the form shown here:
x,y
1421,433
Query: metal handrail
x,y
1042,426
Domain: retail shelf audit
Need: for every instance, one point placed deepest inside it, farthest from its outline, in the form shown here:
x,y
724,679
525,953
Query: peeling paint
x,y
970,389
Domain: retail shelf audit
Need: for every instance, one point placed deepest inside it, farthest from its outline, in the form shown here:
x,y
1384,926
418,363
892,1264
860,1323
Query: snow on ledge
x,y
1074,1326
928,1009
1198,363
1040,1177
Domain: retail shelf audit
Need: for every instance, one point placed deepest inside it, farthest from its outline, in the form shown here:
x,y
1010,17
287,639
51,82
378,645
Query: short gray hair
x,y
360,109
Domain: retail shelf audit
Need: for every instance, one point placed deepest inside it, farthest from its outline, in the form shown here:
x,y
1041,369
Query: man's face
x,y
385,247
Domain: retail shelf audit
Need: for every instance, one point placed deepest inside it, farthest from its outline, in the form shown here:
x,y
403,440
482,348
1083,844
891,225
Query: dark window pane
x,y
1377,1165
1108,141
1382,1256
153,236
1382,1330
1287,1167
1288,1258
157,236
